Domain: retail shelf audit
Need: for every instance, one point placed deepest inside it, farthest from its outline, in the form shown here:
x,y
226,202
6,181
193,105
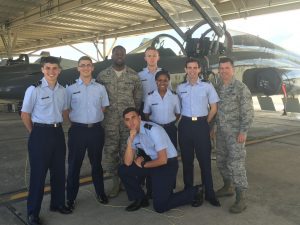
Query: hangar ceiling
x,y
30,25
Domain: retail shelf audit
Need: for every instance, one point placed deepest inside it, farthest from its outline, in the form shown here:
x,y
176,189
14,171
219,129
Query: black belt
x,y
172,159
167,124
47,125
88,125
194,118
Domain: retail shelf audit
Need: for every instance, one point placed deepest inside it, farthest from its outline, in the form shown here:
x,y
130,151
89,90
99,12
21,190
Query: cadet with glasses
x,y
87,100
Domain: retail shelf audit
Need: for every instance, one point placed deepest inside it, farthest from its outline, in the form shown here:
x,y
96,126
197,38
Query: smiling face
x,y
192,70
226,71
162,82
85,68
118,57
51,72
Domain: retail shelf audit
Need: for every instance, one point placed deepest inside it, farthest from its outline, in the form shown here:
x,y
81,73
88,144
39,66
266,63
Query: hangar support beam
x,y
233,9
9,42
50,9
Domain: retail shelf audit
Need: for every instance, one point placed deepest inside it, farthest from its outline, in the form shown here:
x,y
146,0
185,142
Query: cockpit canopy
x,y
198,24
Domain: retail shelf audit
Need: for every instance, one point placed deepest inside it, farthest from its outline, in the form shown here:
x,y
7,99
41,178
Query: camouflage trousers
x,y
116,135
231,157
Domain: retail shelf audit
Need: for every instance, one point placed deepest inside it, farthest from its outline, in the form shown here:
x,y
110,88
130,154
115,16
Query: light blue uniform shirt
x,y
148,81
162,110
195,98
85,102
45,104
152,139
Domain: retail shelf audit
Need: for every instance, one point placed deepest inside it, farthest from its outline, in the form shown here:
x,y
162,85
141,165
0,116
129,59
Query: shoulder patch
x,y
148,126
151,92
37,83
173,92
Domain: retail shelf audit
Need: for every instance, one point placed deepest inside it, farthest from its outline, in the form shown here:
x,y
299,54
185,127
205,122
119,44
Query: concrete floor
x,y
273,173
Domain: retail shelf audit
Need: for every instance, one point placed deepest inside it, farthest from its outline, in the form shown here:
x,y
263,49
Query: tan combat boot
x,y
240,202
226,190
115,187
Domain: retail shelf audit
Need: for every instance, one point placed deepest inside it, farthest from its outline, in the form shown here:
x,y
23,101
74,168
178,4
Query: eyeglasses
x,y
85,65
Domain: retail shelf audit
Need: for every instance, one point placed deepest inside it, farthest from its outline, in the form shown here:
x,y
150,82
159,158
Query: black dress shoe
x,y
61,209
33,220
102,199
137,204
213,201
198,199
71,204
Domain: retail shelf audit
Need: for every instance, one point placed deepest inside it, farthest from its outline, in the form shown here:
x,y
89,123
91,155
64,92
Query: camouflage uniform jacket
x,y
235,108
124,91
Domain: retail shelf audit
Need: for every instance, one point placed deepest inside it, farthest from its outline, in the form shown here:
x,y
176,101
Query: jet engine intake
x,y
267,81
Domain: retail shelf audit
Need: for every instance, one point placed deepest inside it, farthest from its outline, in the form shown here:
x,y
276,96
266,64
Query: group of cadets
x,y
133,119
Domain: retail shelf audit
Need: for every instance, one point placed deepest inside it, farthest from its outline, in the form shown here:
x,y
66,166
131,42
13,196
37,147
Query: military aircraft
x,y
264,67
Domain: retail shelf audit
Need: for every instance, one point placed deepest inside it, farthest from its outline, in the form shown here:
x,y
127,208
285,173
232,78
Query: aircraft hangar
x,y
31,25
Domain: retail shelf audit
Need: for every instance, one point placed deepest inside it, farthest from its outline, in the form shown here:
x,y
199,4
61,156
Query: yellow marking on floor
x,y
85,180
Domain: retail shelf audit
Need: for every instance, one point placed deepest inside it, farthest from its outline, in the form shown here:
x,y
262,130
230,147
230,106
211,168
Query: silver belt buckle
x,y
90,125
55,125
194,118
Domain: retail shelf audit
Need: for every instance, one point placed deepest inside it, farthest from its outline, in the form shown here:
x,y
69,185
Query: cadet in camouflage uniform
x,y
124,90
234,118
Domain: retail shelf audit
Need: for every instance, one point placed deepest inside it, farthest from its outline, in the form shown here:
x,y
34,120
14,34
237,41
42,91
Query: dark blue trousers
x,y
194,138
47,150
171,130
163,179
82,139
